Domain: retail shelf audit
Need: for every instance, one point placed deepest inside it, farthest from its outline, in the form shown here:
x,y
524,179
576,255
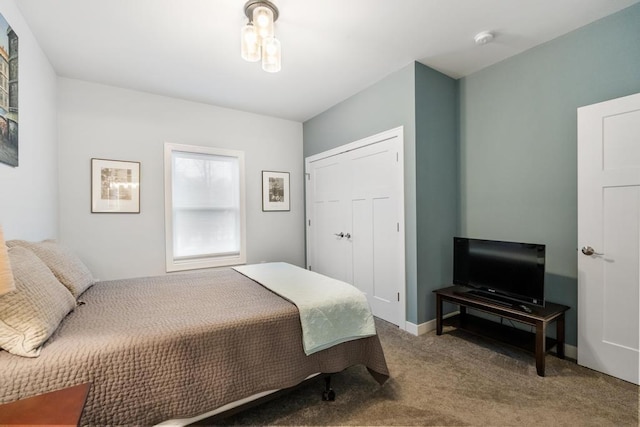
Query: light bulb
x,y
249,44
263,20
271,55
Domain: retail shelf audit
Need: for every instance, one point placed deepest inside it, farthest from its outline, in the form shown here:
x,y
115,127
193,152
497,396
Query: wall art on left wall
x,y
8,94
115,186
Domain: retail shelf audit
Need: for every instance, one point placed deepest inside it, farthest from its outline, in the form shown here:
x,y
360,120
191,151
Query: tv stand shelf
x,y
539,317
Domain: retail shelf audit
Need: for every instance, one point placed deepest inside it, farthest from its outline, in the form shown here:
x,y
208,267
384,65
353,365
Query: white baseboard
x,y
420,329
425,327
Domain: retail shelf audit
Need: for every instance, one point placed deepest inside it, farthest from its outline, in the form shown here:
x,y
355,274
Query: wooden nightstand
x,y
60,407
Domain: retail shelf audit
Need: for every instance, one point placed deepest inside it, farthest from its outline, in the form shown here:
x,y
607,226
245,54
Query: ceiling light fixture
x,y
258,41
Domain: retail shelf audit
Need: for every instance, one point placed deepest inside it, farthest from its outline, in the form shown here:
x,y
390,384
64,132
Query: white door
x,y
609,237
355,220
325,189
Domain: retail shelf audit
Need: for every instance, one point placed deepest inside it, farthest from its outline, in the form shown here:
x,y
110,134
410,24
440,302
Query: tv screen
x,y
504,269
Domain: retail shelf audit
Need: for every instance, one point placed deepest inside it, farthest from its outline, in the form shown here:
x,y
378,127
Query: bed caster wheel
x,y
329,396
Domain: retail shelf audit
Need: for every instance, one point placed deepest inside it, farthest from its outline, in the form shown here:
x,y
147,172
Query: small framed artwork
x,y
115,186
275,191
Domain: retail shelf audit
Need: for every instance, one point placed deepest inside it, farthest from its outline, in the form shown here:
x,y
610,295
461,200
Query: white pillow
x,y
31,313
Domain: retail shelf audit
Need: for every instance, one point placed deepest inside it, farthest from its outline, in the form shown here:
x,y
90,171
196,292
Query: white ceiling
x,y
332,49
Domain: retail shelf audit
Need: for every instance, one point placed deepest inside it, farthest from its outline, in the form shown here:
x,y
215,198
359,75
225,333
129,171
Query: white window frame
x,y
173,264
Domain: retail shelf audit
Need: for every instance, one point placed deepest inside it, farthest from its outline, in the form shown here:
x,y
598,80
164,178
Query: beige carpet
x,y
456,379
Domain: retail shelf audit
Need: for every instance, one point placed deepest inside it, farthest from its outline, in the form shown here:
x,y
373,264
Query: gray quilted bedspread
x,y
176,346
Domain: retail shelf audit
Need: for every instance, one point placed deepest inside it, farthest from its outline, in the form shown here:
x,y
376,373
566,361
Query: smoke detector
x,y
483,38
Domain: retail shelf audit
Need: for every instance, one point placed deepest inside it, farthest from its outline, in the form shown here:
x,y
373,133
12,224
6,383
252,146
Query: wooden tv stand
x,y
539,317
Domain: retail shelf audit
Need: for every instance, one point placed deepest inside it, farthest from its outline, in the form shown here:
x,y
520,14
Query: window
x,y
204,207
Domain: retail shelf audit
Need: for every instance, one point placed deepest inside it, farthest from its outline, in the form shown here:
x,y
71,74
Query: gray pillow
x,y
31,313
63,262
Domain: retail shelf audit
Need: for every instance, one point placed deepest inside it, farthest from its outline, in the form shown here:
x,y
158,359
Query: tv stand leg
x,y
560,336
541,342
438,315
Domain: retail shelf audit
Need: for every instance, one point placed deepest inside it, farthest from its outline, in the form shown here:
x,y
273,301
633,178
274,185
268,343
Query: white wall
x,y
112,123
29,193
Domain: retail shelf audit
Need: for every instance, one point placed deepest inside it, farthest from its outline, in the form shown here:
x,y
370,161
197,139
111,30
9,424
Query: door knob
x,y
588,250
341,235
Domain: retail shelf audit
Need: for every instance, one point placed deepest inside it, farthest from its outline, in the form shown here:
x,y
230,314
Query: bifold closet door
x,y
355,224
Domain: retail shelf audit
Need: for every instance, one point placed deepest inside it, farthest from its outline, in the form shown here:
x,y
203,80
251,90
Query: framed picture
x,y
275,191
115,186
8,94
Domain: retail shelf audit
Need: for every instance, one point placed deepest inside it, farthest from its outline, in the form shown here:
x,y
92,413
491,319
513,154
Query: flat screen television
x,y
503,271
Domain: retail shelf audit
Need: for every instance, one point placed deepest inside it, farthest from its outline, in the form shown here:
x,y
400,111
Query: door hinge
x,y
398,296
398,226
308,176
397,157
309,223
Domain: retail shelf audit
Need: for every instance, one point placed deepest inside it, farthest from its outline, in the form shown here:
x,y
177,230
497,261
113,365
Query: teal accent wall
x,y
436,183
518,141
425,103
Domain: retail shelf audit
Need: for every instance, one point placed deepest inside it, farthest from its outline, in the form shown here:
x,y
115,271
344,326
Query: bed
x,y
166,347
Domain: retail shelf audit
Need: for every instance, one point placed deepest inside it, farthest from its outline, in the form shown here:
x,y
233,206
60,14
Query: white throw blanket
x,y
331,311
